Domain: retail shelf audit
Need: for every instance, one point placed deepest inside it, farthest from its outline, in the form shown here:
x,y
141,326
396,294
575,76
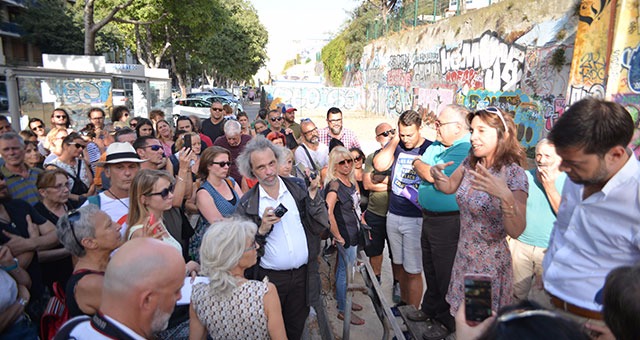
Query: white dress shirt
x,y
286,246
593,236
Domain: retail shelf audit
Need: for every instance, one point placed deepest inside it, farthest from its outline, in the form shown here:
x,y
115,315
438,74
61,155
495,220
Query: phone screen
x,y
187,141
477,298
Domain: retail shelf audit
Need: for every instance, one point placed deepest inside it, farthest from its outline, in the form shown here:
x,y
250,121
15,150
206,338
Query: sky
x,y
289,20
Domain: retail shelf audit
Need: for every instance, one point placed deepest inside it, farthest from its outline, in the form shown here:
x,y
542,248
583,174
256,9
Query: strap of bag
x,y
315,167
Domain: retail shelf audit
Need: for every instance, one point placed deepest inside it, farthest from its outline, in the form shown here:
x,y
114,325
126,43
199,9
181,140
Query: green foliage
x,y
334,59
558,59
288,64
52,27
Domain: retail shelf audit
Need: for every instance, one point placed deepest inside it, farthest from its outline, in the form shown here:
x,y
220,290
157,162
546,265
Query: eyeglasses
x,y
216,109
97,118
496,111
222,164
164,193
73,217
77,145
438,124
154,147
335,120
519,314
310,131
346,161
252,247
387,133
275,118
61,186
37,128
61,116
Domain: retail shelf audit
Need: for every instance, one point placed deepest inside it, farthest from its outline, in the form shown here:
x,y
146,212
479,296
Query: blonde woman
x,y
343,205
150,196
230,306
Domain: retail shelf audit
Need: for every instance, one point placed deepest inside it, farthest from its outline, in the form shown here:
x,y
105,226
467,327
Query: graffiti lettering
x,y
400,62
71,92
500,64
317,97
579,92
592,68
398,78
468,78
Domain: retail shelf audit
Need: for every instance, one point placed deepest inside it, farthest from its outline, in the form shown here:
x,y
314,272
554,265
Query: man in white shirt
x,y
140,289
597,226
120,166
291,242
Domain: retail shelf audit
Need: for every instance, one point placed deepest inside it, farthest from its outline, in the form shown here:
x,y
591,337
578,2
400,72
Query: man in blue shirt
x,y
527,251
441,217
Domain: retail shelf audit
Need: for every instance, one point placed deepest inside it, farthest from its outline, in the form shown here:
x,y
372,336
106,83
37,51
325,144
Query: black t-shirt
x,y
346,210
18,210
58,270
211,130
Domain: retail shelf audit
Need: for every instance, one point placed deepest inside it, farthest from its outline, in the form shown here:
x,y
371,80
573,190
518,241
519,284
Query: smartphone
x,y
477,298
152,221
280,210
187,141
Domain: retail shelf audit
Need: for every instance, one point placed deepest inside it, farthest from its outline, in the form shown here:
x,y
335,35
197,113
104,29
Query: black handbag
x,y
365,239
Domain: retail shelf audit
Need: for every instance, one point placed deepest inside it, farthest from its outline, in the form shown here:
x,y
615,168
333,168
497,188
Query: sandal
x,y
355,307
355,320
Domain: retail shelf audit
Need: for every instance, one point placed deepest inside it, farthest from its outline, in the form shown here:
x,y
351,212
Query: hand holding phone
x,y
187,140
280,210
477,298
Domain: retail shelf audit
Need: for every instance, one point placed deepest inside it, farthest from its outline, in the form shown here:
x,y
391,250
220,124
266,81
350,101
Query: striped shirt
x,y
347,137
22,188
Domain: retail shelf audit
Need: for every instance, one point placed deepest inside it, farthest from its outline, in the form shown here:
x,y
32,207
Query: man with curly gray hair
x,y
289,238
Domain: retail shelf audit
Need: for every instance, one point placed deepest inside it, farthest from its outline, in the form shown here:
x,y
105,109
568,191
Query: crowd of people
x,y
213,228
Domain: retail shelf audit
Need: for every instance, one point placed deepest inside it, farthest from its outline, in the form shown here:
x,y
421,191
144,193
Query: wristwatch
x,y
11,267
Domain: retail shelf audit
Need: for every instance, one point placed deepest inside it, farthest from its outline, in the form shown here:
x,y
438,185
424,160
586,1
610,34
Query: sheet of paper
x,y
186,289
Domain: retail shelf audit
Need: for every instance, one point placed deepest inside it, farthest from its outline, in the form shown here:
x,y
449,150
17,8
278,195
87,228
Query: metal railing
x,y
374,291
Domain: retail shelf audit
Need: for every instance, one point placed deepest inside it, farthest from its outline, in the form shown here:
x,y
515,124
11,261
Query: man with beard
x,y
120,166
150,149
311,153
275,125
212,127
290,121
404,219
140,289
234,141
335,130
25,232
597,225
527,251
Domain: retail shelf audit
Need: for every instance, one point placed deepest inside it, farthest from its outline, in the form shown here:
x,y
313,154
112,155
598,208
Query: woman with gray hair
x,y
230,306
90,235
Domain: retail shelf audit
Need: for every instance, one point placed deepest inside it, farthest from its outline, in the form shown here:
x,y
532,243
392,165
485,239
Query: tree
x,y
91,27
51,26
385,7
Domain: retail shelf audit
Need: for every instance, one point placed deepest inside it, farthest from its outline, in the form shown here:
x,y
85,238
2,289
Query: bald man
x,y
140,290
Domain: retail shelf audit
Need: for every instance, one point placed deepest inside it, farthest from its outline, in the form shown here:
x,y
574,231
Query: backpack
x,y
55,315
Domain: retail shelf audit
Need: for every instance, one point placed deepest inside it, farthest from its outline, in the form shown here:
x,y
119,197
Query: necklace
x,y
7,221
116,197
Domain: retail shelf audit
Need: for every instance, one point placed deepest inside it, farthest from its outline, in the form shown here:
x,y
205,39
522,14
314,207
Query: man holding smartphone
x,y
289,242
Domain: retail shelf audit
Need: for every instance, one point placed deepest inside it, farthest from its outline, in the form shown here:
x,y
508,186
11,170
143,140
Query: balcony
x,y
11,29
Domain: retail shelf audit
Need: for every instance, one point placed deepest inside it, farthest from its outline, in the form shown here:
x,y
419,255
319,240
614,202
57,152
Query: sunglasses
x,y
59,117
346,161
164,193
74,217
37,128
222,164
154,147
126,114
519,314
387,133
357,158
275,119
496,111
216,109
77,145
133,125
305,120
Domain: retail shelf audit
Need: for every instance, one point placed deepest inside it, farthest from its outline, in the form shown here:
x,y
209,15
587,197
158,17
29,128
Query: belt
x,y
304,266
438,214
573,309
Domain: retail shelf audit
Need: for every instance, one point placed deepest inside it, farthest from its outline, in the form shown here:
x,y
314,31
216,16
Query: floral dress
x,y
482,247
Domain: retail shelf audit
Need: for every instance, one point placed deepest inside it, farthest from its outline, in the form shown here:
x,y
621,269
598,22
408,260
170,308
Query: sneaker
x,y
396,292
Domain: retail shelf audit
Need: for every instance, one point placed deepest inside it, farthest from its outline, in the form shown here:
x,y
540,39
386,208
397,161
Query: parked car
x,y
236,106
192,106
119,98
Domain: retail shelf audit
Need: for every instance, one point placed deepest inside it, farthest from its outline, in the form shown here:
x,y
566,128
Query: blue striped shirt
x,y
22,188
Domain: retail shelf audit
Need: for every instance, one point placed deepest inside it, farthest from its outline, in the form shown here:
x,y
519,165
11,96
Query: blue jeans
x,y
341,276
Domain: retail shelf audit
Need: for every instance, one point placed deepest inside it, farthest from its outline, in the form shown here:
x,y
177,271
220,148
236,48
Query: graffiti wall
x,y
529,82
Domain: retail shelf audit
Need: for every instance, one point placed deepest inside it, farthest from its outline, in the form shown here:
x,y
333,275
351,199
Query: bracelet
x,y
14,266
180,178
23,302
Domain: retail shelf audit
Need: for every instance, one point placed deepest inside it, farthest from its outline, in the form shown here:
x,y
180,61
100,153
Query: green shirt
x,y
431,198
378,200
